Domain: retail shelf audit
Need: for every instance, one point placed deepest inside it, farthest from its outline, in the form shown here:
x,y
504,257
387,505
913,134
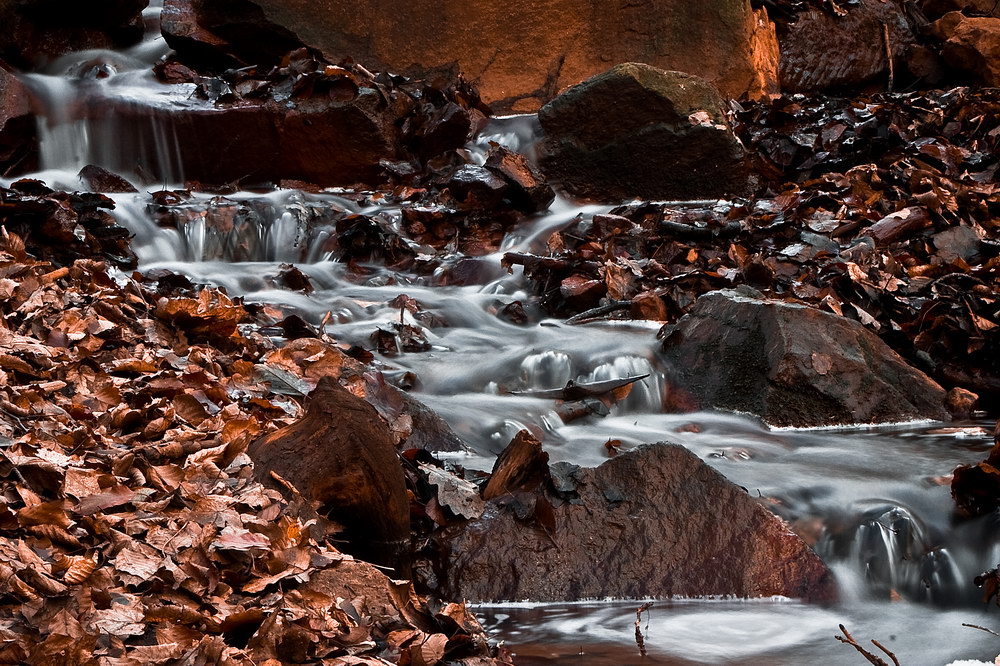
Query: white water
x,y
867,495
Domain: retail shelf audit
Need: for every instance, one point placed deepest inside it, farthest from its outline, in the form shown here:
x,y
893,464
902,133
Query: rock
x,y
476,186
18,140
99,179
341,455
522,465
935,9
653,522
529,192
223,33
813,48
960,403
519,53
793,365
638,131
971,45
38,30
321,141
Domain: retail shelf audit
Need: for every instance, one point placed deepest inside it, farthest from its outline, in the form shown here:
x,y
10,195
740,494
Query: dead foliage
x,y
880,209
133,528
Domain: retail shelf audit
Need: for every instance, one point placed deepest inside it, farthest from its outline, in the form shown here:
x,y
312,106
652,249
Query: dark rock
x,y
18,141
476,186
37,30
793,365
322,141
935,9
529,192
341,455
637,131
815,48
971,45
522,465
99,179
223,33
449,126
521,53
653,522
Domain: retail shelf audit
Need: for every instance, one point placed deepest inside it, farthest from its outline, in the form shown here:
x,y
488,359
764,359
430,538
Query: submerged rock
x,y
519,53
639,131
793,365
655,521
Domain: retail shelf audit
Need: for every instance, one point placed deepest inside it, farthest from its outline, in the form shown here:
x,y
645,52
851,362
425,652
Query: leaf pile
x,y
880,209
133,531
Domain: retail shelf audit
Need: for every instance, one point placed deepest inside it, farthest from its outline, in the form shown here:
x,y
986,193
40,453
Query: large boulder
x,y
342,456
520,53
639,131
971,45
653,522
793,365
39,30
822,50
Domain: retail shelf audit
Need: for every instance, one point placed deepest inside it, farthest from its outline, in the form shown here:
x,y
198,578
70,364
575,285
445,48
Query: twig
x,y
888,56
886,650
600,311
639,640
873,659
976,626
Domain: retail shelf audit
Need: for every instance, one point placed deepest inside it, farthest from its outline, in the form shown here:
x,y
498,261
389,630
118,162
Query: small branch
x,y
976,626
639,640
600,311
872,658
888,56
886,650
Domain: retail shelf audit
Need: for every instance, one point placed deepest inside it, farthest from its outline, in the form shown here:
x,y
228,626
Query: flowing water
x,y
868,498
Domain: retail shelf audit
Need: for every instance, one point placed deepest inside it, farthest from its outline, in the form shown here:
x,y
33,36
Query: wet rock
x,y
99,179
341,455
971,45
322,141
476,186
793,365
18,141
522,53
813,48
38,30
638,131
529,191
655,521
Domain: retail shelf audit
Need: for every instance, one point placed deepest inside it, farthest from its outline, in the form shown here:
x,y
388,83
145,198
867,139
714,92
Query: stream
x,y
868,499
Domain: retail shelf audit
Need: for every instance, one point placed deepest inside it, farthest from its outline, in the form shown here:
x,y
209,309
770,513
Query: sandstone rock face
x,y
655,521
638,131
821,51
793,365
971,45
519,53
37,30
342,456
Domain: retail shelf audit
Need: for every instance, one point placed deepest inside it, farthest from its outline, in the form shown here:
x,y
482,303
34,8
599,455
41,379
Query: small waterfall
x,y
546,370
646,395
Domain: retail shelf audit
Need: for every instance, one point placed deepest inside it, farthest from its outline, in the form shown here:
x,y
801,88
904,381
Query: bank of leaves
x,y
133,531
